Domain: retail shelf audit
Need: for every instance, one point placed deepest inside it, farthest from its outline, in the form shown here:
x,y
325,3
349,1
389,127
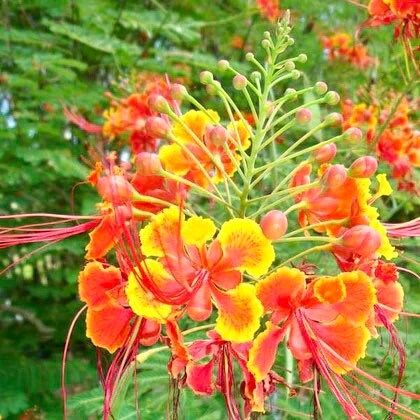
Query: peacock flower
x,y
269,9
196,273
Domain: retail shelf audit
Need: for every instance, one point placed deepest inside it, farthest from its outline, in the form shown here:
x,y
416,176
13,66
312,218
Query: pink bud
x,y
115,189
334,119
217,135
157,127
148,163
363,167
274,224
361,239
335,176
159,104
178,91
353,134
325,153
303,116
239,82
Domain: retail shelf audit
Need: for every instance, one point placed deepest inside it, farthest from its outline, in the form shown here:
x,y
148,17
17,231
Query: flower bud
x,y
363,167
291,92
159,104
274,224
334,177
178,91
290,41
239,82
267,34
295,74
206,77
249,56
302,58
361,239
332,98
223,65
353,134
115,189
320,88
334,118
255,75
157,127
266,44
303,116
325,153
217,135
289,65
148,163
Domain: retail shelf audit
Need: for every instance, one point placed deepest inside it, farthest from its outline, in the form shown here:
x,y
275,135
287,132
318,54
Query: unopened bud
x,y
334,177
249,56
302,58
320,88
274,224
290,41
291,92
332,98
206,77
159,104
295,74
148,164
267,34
363,167
304,116
266,44
289,65
217,135
325,153
255,75
157,127
115,189
239,82
178,91
334,118
223,65
353,134
362,240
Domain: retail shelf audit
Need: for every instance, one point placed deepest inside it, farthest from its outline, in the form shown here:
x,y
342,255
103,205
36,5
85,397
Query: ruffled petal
x,y
239,313
246,247
102,238
161,237
197,230
349,341
263,351
143,302
98,286
281,291
390,295
360,297
109,327
200,377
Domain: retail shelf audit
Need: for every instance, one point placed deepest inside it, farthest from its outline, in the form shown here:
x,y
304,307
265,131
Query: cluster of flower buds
x,y
398,144
196,228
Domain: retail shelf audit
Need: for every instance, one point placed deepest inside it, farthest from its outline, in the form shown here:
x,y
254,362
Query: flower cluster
x,y
398,144
403,14
270,9
340,46
184,236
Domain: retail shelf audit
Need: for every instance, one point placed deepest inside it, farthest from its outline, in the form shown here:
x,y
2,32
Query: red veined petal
x,y
200,377
389,295
102,238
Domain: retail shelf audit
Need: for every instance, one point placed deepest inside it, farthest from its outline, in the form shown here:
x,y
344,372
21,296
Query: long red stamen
x,y
404,230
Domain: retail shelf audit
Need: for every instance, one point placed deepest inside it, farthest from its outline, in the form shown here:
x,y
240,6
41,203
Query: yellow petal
x,y
244,243
143,302
162,235
384,186
239,313
197,230
174,159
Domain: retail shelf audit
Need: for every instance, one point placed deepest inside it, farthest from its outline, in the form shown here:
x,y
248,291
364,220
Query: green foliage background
x,y
55,52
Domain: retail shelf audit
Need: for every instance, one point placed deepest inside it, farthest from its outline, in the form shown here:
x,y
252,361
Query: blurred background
x,y
56,53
